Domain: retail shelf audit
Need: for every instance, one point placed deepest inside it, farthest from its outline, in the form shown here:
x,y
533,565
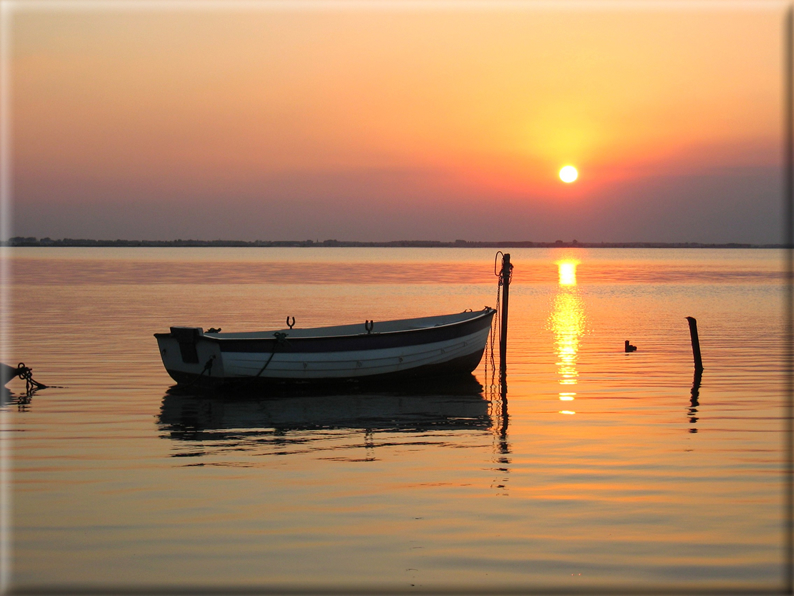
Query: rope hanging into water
x,y
496,328
281,340
505,276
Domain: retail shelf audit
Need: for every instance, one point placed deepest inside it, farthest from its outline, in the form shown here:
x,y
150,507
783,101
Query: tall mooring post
x,y
504,279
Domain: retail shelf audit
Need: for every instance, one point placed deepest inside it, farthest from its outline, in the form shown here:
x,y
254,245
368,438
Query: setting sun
x,y
568,174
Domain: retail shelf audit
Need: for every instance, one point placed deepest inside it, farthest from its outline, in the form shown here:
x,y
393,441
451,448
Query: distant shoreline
x,y
19,241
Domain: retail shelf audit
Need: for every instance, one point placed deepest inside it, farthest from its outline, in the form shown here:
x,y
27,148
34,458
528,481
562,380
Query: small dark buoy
x,y
629,347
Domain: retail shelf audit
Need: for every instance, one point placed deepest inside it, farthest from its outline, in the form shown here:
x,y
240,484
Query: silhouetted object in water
x,y
23,372
629,348
8,373
693,333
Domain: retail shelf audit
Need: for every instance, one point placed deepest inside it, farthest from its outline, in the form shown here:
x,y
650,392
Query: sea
x,y
587,469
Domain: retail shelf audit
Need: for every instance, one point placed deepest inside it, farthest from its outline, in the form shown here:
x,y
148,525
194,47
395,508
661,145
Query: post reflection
x,y
498,411
694,402
567,322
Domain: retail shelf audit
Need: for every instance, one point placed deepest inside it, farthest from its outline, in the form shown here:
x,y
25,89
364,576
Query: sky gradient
x,y
377,122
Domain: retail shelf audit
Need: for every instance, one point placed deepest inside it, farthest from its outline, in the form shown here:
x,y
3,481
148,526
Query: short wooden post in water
x,y
505,275
693,333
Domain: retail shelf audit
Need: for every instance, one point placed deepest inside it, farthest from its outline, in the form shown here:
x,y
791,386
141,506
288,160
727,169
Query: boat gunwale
x,y
270,335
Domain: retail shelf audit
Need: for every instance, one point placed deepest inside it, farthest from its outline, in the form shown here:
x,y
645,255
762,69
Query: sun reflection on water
x,y
567,272
567,322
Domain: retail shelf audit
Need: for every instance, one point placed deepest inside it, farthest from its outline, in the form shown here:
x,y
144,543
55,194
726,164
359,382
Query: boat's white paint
x,y
172,358
337,365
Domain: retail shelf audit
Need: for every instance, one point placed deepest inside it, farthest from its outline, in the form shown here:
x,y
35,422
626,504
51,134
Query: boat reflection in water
x,y
567,322
300,416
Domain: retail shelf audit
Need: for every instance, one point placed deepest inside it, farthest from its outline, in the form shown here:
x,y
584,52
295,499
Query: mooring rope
x,y
281,340
31,385
207,368
495,325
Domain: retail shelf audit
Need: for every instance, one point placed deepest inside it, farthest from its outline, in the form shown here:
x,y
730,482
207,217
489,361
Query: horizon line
x,y
32,241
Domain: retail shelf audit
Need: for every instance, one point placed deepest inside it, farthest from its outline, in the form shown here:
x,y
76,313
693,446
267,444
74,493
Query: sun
x,y
568,174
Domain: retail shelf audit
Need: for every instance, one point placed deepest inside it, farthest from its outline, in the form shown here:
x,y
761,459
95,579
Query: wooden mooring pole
x,y
507,269
693,333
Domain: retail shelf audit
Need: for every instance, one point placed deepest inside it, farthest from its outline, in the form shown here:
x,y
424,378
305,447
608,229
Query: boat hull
x,y
401,351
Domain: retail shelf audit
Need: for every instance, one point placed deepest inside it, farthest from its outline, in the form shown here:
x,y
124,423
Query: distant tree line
x,y
82,242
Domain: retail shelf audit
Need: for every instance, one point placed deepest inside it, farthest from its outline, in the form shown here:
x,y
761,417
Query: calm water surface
x,y
600,469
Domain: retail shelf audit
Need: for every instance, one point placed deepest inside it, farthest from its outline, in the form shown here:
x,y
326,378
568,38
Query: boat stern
x,y
189,356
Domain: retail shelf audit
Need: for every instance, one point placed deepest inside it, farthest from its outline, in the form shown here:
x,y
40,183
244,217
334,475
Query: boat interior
x,y
361,328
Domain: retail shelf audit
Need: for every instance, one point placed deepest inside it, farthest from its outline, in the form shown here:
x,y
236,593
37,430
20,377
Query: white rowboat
x,y
389,350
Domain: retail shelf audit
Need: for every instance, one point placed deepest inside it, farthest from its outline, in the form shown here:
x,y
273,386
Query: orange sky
x,y
349,121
